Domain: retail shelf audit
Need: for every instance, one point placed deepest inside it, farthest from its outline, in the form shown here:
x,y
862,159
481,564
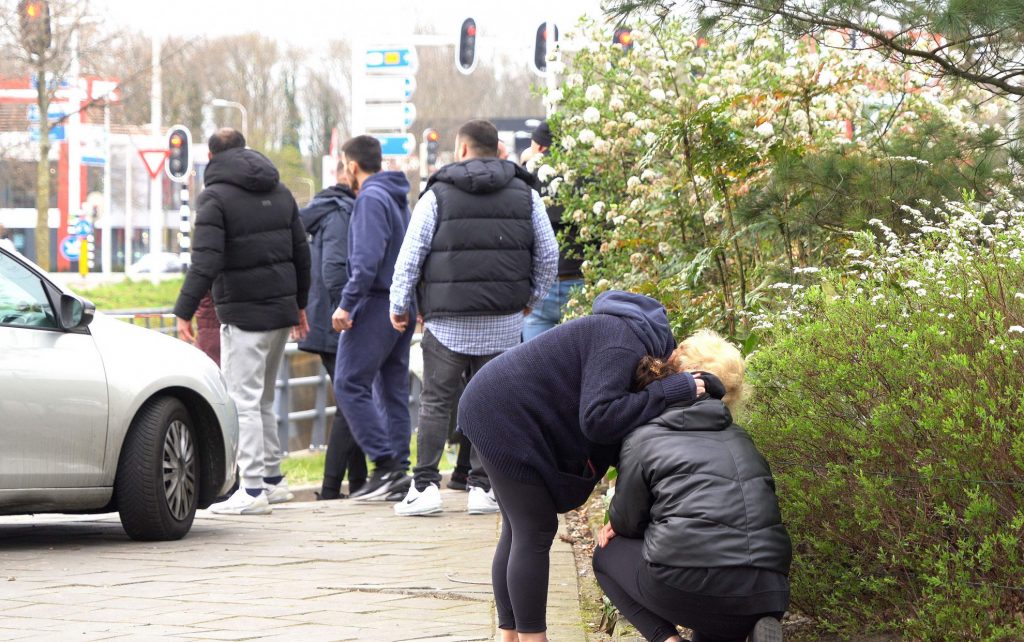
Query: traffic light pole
x,y
156,213
185,229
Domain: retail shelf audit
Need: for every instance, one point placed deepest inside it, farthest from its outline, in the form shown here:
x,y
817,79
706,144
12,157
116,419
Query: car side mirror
x,y
75,312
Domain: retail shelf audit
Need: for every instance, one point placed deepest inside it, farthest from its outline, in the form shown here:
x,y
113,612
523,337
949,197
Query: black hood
x,y
703,414
482,175
325,202
245,168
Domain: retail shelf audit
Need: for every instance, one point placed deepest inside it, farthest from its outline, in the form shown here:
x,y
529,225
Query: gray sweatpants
x,y
250,361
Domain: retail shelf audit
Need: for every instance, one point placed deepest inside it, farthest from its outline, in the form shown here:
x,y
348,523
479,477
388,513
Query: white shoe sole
x,y
280,499
248,510
482,511
419,512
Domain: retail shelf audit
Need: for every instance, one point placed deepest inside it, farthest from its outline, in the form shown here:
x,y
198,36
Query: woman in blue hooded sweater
x,y
547,418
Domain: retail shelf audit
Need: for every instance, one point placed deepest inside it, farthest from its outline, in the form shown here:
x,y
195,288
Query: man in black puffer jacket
x,y
251,248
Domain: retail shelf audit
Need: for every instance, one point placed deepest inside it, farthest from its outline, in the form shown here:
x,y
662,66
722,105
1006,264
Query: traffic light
x,y
179,154
466,55
431,138
540,48
35,25
624,38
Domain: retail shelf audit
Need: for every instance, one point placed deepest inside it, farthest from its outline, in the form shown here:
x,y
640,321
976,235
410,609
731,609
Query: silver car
x,y
99,415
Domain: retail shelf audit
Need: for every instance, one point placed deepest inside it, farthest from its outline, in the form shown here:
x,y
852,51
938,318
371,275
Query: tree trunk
x,y
43,171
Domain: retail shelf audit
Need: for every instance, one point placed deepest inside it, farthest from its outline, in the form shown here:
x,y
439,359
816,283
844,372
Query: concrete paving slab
x,y
309,571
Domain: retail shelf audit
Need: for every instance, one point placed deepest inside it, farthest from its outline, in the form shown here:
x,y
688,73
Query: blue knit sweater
x,y
555,409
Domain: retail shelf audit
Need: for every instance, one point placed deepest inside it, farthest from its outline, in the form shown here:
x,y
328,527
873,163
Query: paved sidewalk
x,y
310,571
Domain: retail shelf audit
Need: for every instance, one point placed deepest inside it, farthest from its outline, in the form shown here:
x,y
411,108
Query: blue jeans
x,y
548,312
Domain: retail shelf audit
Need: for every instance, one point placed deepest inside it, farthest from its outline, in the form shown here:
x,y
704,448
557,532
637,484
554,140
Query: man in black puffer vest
x,y
480,252
251,248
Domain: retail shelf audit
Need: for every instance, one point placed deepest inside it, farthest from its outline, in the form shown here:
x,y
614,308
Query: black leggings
x,y
654,608
342,450
519,572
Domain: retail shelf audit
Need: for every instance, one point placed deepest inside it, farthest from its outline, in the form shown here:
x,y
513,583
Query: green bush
x,y
133,295
889,398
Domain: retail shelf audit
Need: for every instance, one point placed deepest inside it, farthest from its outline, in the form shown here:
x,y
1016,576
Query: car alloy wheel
x,y
179,469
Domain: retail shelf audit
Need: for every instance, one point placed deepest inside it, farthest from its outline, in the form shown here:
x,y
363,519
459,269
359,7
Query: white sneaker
x,y
481,502
278,493
425,502
242,503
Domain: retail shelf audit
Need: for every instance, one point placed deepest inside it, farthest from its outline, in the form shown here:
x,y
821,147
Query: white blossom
x,y
545,173
591,115
658,94
765,129
650,138
586,136
1015,329
599,208
616,104
629,118
594,93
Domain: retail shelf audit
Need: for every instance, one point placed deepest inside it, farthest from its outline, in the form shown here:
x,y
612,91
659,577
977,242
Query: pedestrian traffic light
x,y
35,25
624,38
540,48
466,54
179,154
431,138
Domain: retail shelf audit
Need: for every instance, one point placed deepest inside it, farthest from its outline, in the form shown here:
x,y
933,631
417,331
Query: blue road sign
x,y
56,133
82,228
53,112
391,59
70,248
396,145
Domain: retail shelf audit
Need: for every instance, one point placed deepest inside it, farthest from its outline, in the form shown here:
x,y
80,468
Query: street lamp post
x,y
220,102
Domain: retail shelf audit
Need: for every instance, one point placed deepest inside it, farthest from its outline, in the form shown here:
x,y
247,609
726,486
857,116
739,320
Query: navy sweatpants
x,y
371,381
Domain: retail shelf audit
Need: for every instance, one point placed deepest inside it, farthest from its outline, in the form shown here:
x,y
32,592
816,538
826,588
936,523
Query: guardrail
x,y
163,321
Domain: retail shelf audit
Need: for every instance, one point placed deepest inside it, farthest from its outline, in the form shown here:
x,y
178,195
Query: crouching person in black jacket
x,y
695,537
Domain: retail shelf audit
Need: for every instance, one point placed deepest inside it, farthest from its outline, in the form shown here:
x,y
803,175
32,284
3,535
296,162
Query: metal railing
x,y
163,321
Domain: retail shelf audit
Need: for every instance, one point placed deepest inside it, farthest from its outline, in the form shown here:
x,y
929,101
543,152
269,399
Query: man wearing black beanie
x,y
548,313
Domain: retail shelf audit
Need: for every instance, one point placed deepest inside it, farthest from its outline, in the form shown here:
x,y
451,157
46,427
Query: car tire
x,y
157,483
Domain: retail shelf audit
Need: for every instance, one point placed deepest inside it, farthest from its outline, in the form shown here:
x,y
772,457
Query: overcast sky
x,y
503,24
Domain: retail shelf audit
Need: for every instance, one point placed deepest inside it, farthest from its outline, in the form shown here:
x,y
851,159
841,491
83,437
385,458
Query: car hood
x,y
140,362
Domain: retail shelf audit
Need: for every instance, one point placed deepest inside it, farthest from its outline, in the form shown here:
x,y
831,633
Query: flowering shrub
x,y
700,173
890,401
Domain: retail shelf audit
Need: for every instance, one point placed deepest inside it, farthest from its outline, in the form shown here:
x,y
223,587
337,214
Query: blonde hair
x,y
708,351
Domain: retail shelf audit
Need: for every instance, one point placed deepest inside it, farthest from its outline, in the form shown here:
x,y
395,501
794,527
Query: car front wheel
x,y
157,483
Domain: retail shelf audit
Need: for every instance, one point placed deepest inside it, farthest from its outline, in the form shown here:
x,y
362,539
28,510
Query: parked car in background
x,y
156,263
99,415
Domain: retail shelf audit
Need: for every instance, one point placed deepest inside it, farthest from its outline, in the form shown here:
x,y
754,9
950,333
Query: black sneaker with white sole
x,y
380,484
767,629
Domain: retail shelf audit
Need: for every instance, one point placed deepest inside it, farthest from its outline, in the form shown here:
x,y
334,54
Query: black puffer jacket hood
x,y
482,175
245,168
694,487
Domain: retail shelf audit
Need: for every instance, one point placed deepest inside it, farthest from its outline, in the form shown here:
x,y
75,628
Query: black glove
x,y
713,386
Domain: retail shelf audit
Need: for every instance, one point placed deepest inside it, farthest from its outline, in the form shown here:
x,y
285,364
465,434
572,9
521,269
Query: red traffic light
x,y
33,10
433,136
625,38
471,31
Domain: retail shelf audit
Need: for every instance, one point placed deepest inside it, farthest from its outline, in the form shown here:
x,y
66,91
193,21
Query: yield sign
x,y
153,159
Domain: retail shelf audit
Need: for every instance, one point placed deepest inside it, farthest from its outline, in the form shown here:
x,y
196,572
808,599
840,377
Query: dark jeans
x,y
443,372
342,450
655,608
371,382
519,572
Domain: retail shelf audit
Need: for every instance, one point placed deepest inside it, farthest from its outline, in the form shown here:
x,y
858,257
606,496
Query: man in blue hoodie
x,y
373,357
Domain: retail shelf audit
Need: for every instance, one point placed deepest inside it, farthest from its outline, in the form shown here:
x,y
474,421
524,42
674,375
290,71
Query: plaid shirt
x,y
479,335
